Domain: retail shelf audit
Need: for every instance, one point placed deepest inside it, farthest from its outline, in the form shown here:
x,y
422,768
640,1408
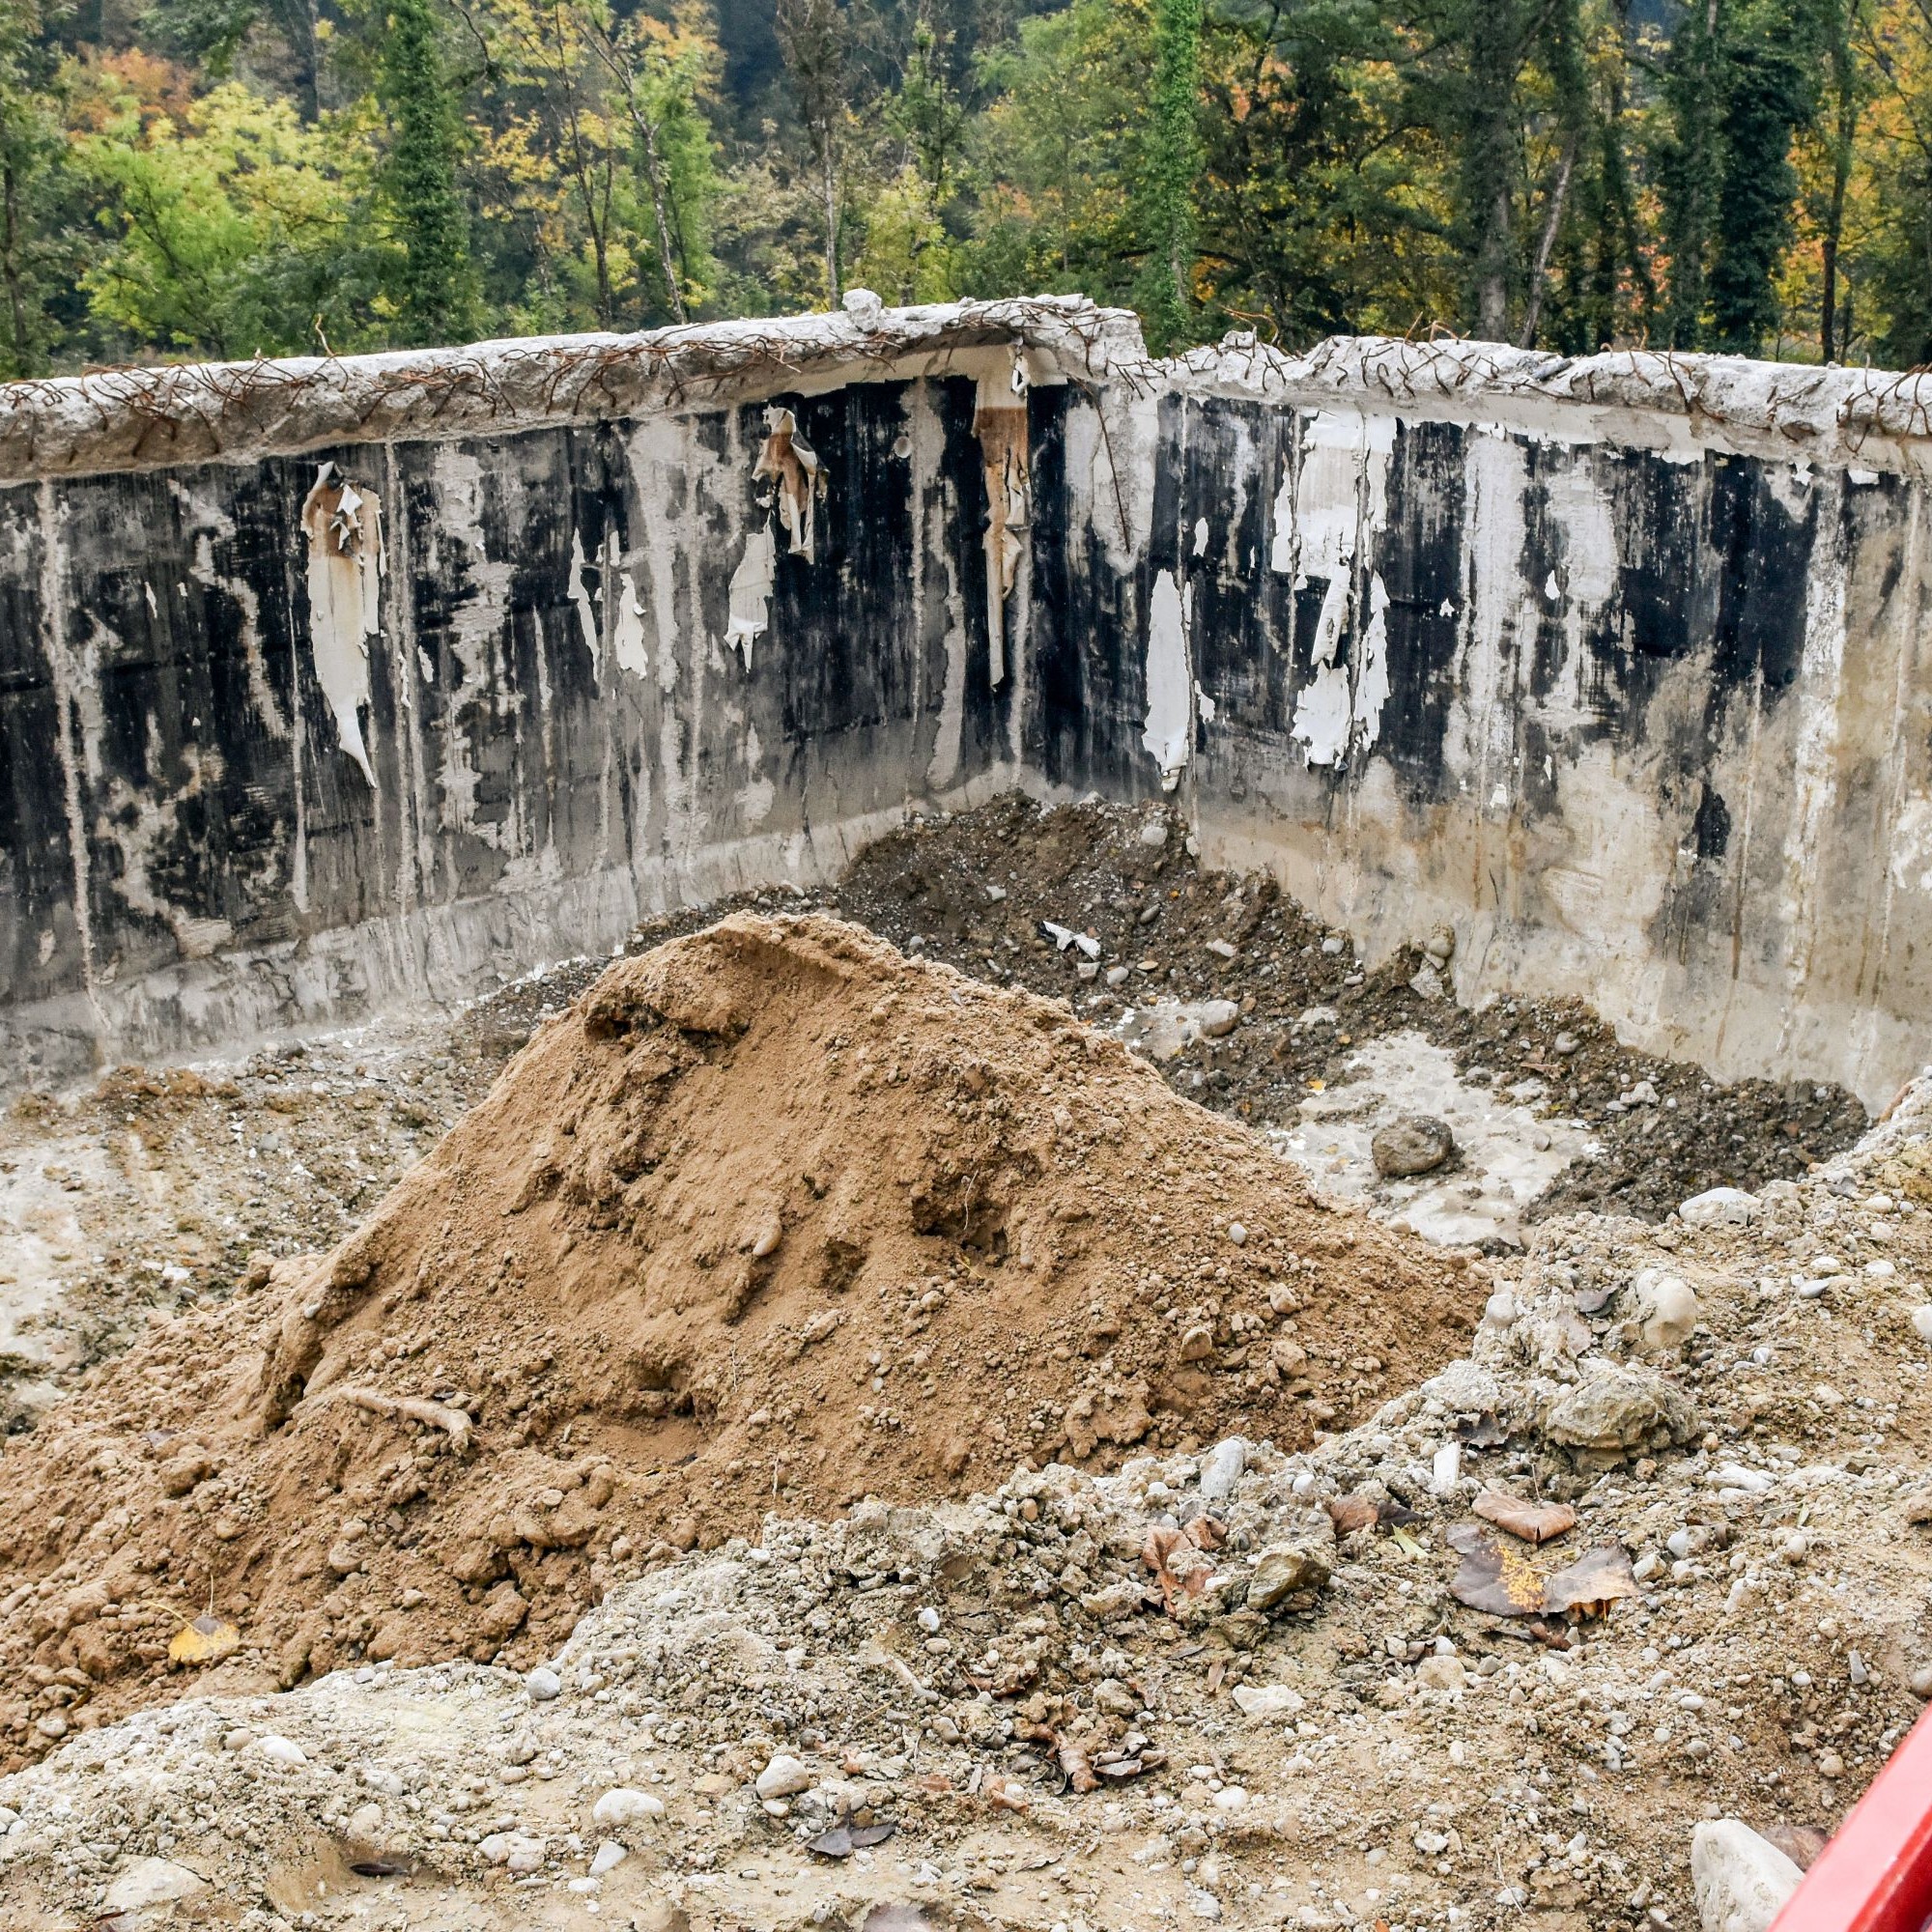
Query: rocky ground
x,y
1239,1686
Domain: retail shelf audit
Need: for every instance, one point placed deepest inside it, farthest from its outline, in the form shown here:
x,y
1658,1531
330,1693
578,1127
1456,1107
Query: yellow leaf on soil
x,y
207,1641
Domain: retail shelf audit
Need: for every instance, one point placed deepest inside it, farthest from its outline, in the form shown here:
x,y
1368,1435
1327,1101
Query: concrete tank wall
x,y
1614,667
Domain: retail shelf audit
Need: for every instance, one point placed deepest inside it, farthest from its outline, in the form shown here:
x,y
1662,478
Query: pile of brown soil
x,y
770,1217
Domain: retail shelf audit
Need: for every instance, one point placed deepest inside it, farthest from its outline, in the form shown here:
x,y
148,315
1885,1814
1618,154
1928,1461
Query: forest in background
x,y
231,178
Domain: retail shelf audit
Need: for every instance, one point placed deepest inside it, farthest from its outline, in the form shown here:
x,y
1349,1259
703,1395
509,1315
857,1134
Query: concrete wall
x,y
1615,667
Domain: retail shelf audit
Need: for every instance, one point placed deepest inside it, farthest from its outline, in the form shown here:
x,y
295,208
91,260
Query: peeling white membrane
x,y
1170,685
1510,1154
345,600
752,593
1330,505
627,612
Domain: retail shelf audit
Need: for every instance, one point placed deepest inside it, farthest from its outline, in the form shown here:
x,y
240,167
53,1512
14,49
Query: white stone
x,y
1446,1470
1666,1309
784,1776
1231,1798
1223,1468
1216,1018
1719,1206
1921,1320
281,1751
624,1806
543,1683
1740,1882
151,1882
609,1856
1263,1701
514,1851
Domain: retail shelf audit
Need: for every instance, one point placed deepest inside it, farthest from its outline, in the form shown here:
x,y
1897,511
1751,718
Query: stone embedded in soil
x,y
1617,1408
1416,1144
1742,1882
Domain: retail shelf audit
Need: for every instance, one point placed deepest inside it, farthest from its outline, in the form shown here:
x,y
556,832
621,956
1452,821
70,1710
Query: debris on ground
x,y
1081,1696
833,1442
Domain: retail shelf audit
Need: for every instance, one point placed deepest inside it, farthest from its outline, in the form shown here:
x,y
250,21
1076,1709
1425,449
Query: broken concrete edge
x,y
1858,419
145,418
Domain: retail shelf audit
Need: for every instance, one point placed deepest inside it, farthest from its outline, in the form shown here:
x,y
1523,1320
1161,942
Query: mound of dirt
x,y
771,1217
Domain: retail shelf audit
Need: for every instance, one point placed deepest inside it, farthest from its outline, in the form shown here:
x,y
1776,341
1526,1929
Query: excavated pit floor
x,y
151,1191
955,1673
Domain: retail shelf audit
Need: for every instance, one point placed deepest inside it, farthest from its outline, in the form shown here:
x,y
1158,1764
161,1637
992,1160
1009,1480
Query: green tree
x,y
1062,133
814,38
1323,200
231,234
30,166
434,284
1737,85
1164,215
910,252
661,74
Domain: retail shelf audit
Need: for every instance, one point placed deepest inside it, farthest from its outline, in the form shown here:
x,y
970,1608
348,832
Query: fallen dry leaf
x,y
1005,1793
842,1840
207,1641
1493,1577
1534,1523
1349,1513
1498,1578
1592,1584
1176,1562
1077,1765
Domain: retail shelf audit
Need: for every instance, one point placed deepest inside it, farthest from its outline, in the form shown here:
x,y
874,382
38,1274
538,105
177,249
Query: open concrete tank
x,y
326,686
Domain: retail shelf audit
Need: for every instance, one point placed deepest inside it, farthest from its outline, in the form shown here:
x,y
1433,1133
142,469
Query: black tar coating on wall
x,y
1710,573
211,785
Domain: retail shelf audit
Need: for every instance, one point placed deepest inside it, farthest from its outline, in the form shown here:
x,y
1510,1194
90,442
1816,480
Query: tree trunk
x,y
660,208
1844,133
1552,219
829,165
10,255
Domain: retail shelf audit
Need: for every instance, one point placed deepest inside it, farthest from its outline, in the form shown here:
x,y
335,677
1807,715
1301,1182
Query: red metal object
x,y
1876,1873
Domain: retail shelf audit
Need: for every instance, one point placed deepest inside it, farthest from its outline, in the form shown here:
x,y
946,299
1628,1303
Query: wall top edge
x,y
156,417
1680,403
